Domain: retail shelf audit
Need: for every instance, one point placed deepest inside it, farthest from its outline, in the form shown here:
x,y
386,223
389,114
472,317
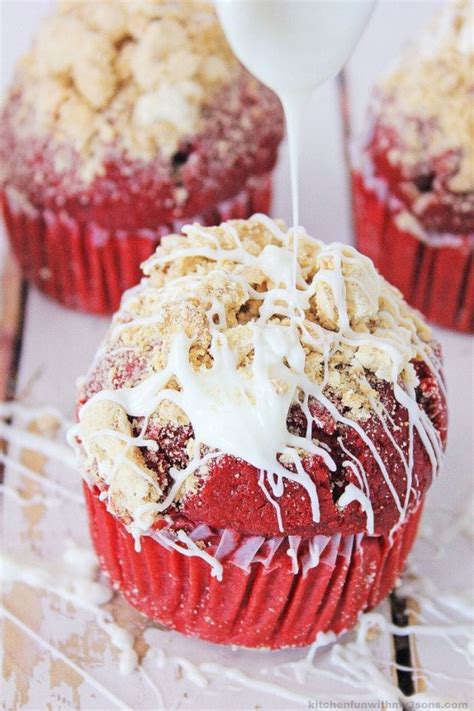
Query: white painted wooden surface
x,y
58,346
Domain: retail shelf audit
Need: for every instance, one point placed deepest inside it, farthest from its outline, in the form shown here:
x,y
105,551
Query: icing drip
x,y
36,442
190,549
219,547
25,415
243,411
352,493
58,490
18,498
75,583
295,73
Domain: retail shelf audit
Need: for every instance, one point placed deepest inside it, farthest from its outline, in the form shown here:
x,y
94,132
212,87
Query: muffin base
x,y
435,275
87,267
267,606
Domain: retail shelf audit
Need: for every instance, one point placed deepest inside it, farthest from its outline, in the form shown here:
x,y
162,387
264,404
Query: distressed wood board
x,y
44,348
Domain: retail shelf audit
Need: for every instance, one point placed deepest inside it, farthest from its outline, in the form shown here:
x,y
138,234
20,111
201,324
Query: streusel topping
x,y
221,277
428,96
133,73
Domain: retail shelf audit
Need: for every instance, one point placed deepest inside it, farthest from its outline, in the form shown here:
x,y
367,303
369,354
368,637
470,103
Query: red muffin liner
x,y
435,275
260,603
88,267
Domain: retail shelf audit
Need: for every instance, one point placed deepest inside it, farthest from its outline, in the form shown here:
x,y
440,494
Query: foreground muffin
x,y
126,120
414,189
256,456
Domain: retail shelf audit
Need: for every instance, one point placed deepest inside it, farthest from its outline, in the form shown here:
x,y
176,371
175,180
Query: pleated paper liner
x,y
87,267
260,601
435,275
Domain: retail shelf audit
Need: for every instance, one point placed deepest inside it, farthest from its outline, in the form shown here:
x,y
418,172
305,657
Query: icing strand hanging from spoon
x,y
293,48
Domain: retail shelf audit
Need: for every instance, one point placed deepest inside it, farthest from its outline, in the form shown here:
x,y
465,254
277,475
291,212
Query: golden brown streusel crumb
x,y
434,82
128,485
137,73
197,280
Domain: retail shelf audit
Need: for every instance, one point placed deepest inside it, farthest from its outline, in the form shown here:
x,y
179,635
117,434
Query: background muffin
x,y
414,191
124,121
256,457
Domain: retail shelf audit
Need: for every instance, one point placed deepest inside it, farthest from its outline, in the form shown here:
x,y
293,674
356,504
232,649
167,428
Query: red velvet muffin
x,y
256,456
125,121
414,187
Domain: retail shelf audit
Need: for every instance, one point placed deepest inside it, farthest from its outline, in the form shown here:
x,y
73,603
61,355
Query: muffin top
x,y
424,119
225,394
136,72
112,88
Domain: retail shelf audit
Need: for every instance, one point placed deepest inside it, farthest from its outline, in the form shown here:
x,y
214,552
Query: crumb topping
x,y
216,332
196,280
137,74
427,97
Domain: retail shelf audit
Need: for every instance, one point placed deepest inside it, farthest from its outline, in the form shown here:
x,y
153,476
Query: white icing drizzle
x,y
138,441
15,466
156,691
75,583
190,548
39,443
27,415
251,549
190,671
354,658
205,674
352,493
292,551
232,413
236,675
56,653
22,500
262,485
30,440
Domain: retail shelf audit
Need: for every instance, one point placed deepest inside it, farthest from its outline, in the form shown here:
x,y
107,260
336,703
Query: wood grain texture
x,y
13,295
